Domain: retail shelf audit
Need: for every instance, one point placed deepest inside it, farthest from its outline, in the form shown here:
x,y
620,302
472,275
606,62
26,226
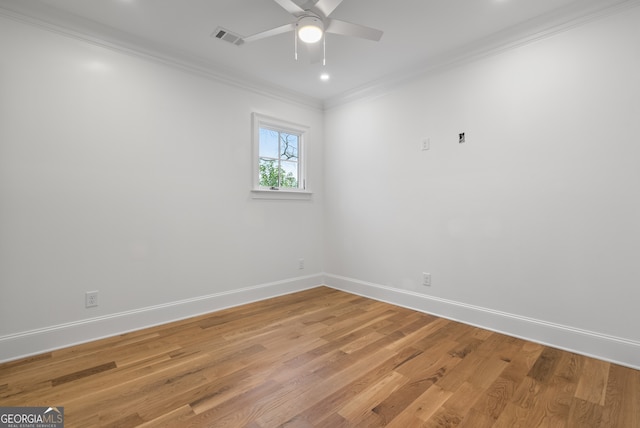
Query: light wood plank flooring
x,y
323,358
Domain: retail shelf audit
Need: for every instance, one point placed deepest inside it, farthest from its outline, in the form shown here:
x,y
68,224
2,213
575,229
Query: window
x,y
279,158
279,166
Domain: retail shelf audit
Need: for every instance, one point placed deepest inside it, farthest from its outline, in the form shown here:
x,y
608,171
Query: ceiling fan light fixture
x,y
310,29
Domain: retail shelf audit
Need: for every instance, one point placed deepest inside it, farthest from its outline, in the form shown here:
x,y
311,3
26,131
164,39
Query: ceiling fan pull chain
x,y
295,44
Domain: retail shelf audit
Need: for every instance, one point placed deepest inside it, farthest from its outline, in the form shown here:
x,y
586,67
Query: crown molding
x,y
541,27
51,19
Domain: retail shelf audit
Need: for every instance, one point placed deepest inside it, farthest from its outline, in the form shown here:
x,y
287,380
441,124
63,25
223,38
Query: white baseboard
x,y
35,342
604,347
609,348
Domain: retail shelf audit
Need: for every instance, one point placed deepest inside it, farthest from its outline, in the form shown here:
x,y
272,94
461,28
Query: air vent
x,y
227,36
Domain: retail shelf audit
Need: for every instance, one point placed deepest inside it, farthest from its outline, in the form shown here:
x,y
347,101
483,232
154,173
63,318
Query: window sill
x,y
300,195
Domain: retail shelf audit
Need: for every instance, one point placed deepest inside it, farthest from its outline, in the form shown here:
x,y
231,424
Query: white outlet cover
x,y
426,279
91,299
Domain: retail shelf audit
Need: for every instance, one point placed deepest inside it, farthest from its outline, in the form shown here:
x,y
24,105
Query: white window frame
x,y
263,192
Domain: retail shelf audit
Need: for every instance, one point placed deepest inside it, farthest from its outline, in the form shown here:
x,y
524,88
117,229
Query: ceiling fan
x,y
311,24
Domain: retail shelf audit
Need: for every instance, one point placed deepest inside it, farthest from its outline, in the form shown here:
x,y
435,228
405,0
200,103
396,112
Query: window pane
x,y
269,173
289,146
289,174
268,143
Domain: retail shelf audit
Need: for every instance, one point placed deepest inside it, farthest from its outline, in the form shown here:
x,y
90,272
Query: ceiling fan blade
x,y
290,7
316,52
269,33
344,28
327,6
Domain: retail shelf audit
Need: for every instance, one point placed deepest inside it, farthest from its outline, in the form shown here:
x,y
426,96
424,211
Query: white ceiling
x,y
418,34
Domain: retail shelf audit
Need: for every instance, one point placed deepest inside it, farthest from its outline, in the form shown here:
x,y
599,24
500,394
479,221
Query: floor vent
x,y
227,36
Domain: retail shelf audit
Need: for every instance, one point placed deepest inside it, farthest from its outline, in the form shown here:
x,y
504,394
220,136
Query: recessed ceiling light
x,y
324,77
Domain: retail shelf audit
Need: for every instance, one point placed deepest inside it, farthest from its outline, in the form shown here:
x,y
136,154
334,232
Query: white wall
x,y
537,215
131,177
127,176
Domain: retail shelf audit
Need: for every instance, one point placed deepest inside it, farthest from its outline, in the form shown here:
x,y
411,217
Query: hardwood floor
x,y
323,358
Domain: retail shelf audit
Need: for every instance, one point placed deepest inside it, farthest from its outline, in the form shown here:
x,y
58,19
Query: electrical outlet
x,y
461,138
90,299
300,263
426,144
426,279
